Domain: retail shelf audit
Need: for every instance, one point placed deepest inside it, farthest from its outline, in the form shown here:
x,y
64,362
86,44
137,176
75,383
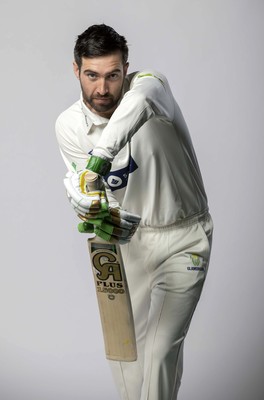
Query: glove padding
x,y
116,226
85,203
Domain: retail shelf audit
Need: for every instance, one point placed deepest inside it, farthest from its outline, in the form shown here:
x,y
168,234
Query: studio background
x,y
211,51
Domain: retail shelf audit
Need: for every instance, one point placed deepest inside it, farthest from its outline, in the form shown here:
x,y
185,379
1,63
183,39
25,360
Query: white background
x,y
51,344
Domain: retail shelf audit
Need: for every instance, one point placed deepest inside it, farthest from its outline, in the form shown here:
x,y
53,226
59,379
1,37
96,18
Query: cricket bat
x,y
112,294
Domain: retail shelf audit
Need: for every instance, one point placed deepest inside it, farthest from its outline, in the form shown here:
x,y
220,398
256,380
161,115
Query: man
x,y
130,130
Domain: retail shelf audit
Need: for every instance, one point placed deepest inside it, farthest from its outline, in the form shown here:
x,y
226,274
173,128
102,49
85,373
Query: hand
x,y
87,204
116,226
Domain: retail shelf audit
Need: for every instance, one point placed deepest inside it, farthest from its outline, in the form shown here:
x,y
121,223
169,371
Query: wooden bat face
x,y
113,300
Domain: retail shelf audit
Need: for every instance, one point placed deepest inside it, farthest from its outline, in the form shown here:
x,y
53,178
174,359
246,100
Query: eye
x,y
114,76
92,76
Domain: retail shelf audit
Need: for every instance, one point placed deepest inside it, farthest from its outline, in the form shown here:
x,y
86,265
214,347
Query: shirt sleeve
x,y
149,95
72,154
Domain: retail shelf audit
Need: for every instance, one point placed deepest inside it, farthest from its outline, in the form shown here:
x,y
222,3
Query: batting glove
x,y
118,226
84,202
88,203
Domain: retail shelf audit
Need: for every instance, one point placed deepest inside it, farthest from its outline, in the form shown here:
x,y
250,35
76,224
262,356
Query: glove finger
x,y
120,233
95,207
119,222
85,227
130,217
104,201
110,238
91,200
91,216
104,235
110,229
125,215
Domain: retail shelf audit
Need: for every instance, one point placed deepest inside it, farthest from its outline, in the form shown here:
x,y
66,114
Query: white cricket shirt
x,y
154,168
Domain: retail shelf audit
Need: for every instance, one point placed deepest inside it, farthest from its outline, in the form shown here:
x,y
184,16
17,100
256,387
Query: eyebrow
x,y
90,71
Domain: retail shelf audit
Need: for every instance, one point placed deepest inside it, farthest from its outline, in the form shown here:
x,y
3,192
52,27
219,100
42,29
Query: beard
x,y
102,104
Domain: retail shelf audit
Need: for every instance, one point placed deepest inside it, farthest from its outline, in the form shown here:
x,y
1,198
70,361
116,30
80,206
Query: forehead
x,y
103,64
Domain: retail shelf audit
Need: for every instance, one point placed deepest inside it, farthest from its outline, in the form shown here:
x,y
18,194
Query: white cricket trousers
x,y
166,268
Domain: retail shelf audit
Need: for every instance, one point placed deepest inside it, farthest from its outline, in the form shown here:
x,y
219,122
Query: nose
x,y
102,88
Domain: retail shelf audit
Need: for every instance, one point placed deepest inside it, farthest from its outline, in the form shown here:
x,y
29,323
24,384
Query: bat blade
x,y
113,300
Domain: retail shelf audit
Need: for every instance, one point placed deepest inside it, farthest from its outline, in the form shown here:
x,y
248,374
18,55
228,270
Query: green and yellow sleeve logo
x,y
149,74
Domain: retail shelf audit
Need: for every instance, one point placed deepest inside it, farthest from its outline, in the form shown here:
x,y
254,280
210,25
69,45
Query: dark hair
x,y
99,40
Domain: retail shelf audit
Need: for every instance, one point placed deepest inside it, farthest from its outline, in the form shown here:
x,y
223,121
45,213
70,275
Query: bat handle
x,y
93,181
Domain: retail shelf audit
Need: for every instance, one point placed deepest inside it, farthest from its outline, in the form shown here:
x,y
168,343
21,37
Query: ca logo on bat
x,y
106,264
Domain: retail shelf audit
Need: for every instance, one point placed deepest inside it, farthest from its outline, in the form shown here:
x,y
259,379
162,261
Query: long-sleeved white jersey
x,y
154,168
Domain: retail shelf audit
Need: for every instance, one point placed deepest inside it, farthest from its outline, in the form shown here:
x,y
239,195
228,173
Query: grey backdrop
x,y
212,53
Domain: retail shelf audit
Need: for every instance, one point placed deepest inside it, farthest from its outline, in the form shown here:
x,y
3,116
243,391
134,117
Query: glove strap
x,y
99,165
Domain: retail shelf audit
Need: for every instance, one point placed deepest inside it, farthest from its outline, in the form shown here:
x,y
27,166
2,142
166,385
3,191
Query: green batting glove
x,y
116,226
99,165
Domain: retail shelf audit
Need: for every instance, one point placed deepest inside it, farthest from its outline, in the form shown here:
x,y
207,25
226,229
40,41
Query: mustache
x,y
104,96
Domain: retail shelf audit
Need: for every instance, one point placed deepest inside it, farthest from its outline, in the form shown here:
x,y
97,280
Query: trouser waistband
x,y
205,216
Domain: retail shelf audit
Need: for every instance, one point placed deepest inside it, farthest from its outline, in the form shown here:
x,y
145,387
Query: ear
x,y
126,68
76,70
